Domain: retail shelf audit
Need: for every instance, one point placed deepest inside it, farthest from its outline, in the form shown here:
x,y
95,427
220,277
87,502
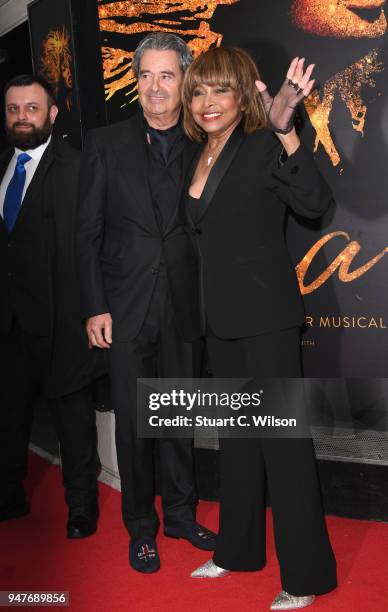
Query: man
x,y
42,339
135,263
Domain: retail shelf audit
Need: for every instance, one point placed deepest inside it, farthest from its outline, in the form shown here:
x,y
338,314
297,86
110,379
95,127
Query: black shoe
x,y
81,526
144,556
198,536
13,502
14,508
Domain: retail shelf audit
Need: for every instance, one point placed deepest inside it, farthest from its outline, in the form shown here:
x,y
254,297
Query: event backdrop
x,y
52,44
341,261
65,51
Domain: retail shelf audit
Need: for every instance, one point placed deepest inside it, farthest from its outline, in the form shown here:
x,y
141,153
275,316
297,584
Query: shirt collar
x,y
164,142
174,129
36,153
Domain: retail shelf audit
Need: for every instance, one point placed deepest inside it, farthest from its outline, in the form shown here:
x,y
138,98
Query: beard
x,y
31,139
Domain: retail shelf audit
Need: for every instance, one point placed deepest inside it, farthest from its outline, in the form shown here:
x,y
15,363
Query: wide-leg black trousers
x,y
307,563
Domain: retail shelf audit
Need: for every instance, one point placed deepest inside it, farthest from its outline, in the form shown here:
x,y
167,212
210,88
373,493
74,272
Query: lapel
x,y
133,148
34,191
218,171
189,150
4,162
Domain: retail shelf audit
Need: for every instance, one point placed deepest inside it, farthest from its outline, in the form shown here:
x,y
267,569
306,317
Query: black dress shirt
x,y
165,170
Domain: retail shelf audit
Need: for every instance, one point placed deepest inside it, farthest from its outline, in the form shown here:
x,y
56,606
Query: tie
x,y
13,196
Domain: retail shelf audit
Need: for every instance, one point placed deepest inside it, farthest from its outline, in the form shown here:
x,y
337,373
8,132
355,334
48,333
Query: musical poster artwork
x,y
53,58
344,272
134,20
341,261
333,19
56,63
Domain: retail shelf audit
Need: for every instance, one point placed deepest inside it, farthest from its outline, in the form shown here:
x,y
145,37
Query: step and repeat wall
x,y
340,260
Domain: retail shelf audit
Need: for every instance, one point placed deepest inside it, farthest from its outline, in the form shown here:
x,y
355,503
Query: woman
x,y
235,204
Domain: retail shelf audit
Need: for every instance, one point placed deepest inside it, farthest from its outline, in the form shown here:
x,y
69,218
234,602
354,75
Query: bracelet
x,y
285,130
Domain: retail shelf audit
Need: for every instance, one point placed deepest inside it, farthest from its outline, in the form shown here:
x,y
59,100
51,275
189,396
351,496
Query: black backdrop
x,y
65,50
345,340
346,323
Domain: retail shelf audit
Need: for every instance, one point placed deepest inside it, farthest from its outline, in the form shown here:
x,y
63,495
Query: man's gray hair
x,y
162,41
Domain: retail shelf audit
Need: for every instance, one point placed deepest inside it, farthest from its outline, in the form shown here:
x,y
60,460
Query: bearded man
x,y
43,348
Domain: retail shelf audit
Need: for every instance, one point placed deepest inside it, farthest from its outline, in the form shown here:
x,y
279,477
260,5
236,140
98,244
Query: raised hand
x,y
297,85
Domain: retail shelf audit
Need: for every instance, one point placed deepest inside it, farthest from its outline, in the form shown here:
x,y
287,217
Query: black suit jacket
x,y
249,286
23,259
120,244
58,315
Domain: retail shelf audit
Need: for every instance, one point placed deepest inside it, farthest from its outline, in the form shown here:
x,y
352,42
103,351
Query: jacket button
x,y
294,169
154,270
196,230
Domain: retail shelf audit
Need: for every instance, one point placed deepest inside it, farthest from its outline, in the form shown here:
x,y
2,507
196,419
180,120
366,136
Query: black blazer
x,y
23,256
120,244
249,285
58,315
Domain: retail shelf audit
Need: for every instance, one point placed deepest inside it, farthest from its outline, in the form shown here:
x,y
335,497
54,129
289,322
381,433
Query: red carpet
x,y
36,556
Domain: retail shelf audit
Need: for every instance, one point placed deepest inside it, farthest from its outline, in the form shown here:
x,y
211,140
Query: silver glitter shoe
x,y
285,601
209,570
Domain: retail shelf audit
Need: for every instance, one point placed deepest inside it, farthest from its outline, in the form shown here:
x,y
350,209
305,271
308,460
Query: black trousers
x,y
157,351
307,563
24,363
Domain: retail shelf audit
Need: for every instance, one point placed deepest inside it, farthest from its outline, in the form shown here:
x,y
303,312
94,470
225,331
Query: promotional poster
x,y
169,440
52,45
341,260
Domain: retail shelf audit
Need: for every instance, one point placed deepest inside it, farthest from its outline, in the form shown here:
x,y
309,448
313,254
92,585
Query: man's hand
x,y
99,330
281,109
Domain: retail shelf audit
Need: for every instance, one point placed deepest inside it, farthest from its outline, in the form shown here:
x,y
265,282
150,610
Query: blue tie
x,y
13,196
